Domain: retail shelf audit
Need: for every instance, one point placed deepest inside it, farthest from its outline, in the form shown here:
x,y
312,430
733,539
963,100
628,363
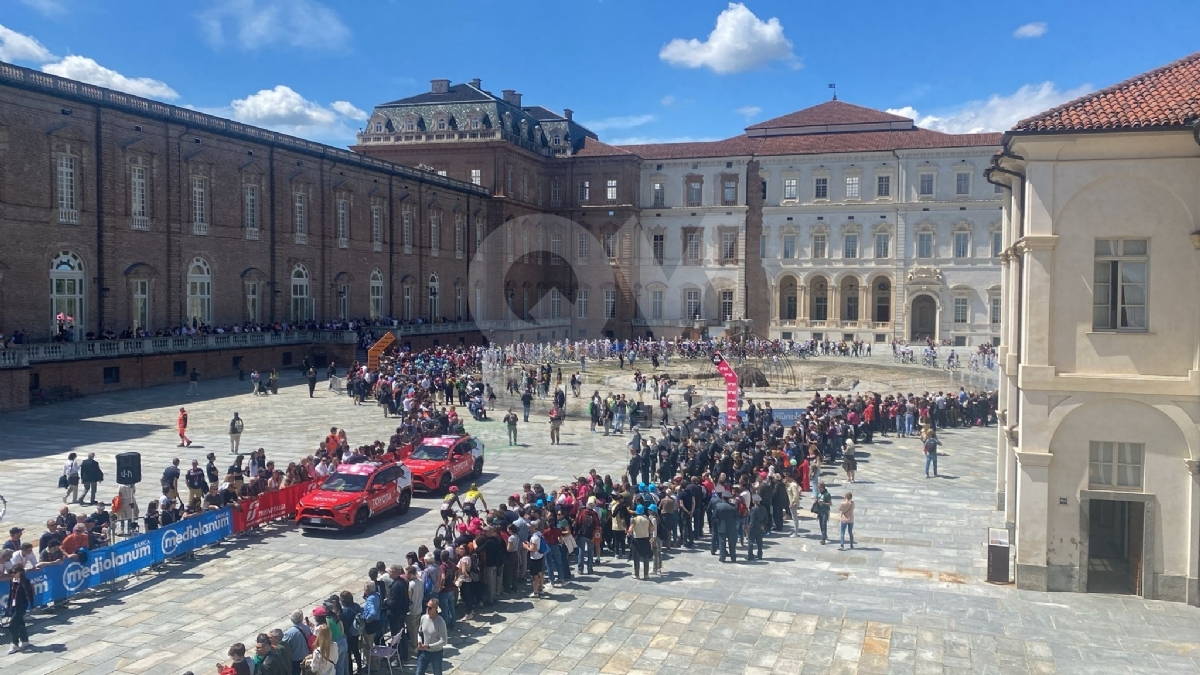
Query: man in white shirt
x,y
323,469
24,558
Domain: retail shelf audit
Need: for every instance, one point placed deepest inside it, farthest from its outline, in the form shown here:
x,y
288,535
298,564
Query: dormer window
x,y
474,122
441,124
410,125
556,140
379,127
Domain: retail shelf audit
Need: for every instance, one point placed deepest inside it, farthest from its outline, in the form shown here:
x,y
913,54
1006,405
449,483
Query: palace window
x,y
343,223
729,193
250,210
962,244
883,186
610,190
1118,465
924,244
818,250
659,192
656,305
726,305
1120,279
300,219
789,189
67,209
882,244
581,303
376,294
610,304
692,303
789,246
585,191
694,193
137,198
476,177
693,247
962,308
659,247
962,184
199,205
728,247
555,193
925,185
997,243
852,185
850,246
821,188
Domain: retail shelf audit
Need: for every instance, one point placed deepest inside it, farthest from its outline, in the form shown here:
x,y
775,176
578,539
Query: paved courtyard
x,y
910,599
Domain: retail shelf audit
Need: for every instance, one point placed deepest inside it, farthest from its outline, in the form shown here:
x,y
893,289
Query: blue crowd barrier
x,y
59,582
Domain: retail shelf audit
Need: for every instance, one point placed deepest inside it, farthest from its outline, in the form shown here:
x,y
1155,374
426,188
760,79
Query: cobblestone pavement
x,y
911,598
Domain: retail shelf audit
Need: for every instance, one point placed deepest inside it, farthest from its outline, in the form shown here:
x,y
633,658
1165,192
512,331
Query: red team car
x,y
354,493
439,462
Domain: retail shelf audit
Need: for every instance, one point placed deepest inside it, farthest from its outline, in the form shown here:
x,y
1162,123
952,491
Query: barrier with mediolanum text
x,y
59,582
731,388
269,506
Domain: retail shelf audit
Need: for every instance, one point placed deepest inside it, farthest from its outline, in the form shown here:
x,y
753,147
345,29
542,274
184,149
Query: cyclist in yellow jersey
x,y
469,499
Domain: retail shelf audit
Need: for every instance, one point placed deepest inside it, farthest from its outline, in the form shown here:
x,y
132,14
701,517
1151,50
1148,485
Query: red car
x,y
355,492
439,462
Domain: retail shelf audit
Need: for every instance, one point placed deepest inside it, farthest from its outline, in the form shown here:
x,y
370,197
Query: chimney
x,y
511,97
567,112
440,86
477,83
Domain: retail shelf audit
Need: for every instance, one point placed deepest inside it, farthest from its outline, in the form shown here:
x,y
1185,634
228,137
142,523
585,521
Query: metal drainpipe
x,y
99,227
272,286
391,283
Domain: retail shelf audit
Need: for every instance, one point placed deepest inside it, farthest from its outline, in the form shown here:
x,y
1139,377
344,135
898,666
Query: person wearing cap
x,y
640,529
266,660
14,539
76,540
755,528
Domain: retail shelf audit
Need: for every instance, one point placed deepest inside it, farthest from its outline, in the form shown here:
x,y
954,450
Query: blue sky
x,y
634,70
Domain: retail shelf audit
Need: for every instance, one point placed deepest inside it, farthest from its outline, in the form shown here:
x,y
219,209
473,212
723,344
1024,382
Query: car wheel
x,y
405,502
360,521
478,471
444,484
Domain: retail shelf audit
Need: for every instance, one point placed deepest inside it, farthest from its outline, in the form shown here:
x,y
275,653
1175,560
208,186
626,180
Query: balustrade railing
x,y
17,356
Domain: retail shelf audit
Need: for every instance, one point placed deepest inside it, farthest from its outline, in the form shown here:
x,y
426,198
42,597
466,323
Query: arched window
x,y
434,288
376,294
302,306
199,292
66,292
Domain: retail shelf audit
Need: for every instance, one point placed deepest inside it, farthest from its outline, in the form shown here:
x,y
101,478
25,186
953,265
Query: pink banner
x,y
268,506
731,388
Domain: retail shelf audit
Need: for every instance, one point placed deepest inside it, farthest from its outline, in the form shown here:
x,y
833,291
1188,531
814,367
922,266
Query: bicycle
x,y
445,531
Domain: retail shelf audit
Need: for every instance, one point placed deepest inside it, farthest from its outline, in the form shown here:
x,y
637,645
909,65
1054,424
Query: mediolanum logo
x,y
75,576
178,536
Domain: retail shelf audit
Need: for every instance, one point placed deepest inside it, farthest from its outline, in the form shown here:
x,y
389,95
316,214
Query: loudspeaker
x,y
129,468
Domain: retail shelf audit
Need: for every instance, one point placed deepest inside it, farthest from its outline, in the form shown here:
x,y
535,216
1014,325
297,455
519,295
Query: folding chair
x,y
385,652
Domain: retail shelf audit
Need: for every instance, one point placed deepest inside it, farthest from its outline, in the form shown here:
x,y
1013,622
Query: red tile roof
x,y
829,112
813,144
871,141
594,148
1164,97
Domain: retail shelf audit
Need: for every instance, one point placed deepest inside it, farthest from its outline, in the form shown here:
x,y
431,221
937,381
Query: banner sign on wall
x,y
58,582
731,388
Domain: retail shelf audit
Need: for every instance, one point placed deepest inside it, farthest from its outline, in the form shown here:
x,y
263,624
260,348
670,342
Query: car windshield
x,y
345,482
431,452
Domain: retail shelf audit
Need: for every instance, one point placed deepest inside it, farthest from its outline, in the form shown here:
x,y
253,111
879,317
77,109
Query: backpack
x,y
587,524
429,591
474,576
117,504
543,547
741,508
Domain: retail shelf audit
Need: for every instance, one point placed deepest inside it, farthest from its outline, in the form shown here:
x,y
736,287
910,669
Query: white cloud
x,y
254,24
348,109
748,111
668,101
997,113
1035,29
623,122
741,41
87,70
16,47
283,109
47,7
650,140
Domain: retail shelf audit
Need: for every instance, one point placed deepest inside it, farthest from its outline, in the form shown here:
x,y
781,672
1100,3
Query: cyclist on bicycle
x,y
470,498
448,502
